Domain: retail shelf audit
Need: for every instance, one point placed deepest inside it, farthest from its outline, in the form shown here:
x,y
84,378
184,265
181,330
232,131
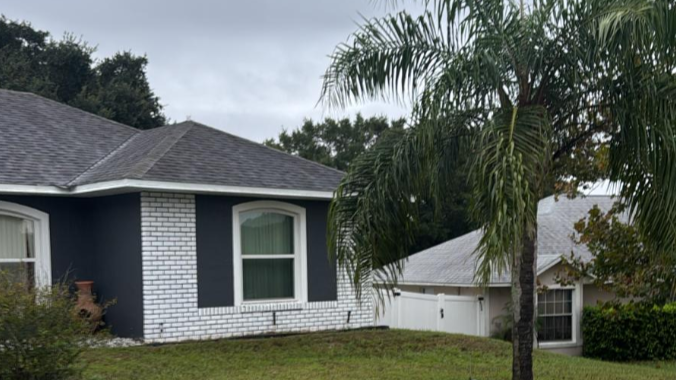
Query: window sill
x,y
268,307
569,344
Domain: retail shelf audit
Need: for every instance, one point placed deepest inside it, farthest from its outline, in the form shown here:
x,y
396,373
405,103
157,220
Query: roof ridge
x,y
161,149
102,159
75,108
265,146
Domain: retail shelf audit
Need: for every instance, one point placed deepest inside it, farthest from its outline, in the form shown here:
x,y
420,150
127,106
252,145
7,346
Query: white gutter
x,y
128,185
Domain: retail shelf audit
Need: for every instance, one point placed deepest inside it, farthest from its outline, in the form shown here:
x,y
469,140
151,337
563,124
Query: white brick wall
x,y
170,309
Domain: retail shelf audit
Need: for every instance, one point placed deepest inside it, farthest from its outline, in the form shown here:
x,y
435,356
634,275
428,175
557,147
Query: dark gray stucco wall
x,y
98,239
214,250
117,268
70,234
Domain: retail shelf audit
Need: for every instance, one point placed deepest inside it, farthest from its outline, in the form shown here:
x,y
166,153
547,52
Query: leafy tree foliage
x,y
41,332
334,143
116,87
622,261
337,143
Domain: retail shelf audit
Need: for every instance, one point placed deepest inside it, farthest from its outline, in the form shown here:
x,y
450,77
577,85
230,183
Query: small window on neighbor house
x,y
555,315
268,252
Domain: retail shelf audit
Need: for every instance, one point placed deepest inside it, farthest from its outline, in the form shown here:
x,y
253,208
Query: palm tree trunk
x,y
523,303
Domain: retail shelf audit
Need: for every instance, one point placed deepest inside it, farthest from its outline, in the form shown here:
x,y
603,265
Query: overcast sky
x,y
249,67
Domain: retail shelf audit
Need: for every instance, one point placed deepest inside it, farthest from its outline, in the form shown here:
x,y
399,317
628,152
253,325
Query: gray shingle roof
x,y
47,143
43,142
454,262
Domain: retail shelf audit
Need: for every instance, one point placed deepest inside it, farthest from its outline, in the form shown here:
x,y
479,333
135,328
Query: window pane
x,y
268,279
266,233
555,329
549,309
19,272
16,238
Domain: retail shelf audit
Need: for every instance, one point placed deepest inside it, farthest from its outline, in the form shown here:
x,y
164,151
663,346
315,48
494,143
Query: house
x,y
443,277
195,233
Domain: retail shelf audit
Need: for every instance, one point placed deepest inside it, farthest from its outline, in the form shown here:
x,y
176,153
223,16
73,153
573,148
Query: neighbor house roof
x,y
48,144
454,262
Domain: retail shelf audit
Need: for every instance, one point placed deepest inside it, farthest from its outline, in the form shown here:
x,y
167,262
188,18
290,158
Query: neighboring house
x,y
447,271
195,233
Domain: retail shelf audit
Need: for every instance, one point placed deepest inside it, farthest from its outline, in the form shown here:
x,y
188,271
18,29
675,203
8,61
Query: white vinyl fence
x,y
454,314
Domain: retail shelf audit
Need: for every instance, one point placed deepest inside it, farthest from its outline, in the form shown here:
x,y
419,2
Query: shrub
x,y
41,334
630,332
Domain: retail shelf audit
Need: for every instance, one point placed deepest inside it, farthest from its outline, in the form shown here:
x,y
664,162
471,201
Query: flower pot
x,y
86,306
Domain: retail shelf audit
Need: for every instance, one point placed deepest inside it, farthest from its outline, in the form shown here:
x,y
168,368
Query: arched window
x,y
270,248
24,244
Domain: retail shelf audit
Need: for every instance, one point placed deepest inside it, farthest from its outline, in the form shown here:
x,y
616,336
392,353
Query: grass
x,y
355,355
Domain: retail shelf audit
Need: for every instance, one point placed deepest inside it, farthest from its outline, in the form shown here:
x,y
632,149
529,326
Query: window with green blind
x,y
268,254
25,244
17,248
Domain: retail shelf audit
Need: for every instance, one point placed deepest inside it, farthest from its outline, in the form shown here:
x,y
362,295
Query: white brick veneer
x,y
170,310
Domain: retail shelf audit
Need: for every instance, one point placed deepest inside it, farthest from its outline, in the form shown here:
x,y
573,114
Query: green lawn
x,y
356,355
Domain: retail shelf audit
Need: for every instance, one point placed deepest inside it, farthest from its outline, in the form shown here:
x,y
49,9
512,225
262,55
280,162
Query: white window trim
x,y
576,312
300,256
43,255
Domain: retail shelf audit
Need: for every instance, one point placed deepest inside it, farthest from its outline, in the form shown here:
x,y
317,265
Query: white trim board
x,y
128,185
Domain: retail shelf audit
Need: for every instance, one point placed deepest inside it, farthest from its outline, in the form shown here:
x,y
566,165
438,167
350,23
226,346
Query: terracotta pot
x,y
86,306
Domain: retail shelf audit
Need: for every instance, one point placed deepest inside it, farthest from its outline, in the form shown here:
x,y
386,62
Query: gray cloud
x,y
248,67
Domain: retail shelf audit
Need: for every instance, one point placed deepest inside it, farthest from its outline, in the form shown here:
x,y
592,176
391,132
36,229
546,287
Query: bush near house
x,y
630,332
41,333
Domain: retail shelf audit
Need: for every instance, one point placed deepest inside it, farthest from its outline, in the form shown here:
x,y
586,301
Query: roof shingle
x,y
47,143
43,142
454,261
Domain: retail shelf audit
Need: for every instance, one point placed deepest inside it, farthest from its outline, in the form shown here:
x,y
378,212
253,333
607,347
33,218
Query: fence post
x,y
396,310
440,312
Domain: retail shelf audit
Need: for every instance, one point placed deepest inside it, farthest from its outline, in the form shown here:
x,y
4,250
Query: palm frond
x,y
387,58
513,156
374,210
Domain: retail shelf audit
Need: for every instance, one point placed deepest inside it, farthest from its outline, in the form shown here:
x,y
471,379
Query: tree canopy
x,y
334,143
65,70
622,263
338,143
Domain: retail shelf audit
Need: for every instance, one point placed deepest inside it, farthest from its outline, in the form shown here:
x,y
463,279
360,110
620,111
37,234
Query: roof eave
x,y
540,271
132,185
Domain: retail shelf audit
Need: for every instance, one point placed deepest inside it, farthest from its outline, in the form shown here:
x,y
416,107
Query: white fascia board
x,y
126,185
550,266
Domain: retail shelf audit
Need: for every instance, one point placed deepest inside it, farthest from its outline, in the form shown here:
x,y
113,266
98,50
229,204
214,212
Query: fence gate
x,y
454,314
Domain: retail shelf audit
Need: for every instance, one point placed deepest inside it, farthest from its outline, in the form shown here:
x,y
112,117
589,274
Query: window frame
x,y
299,256
41,234
575,320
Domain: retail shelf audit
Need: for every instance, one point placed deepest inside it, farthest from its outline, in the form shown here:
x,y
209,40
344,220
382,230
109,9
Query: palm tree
x,y
531,94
